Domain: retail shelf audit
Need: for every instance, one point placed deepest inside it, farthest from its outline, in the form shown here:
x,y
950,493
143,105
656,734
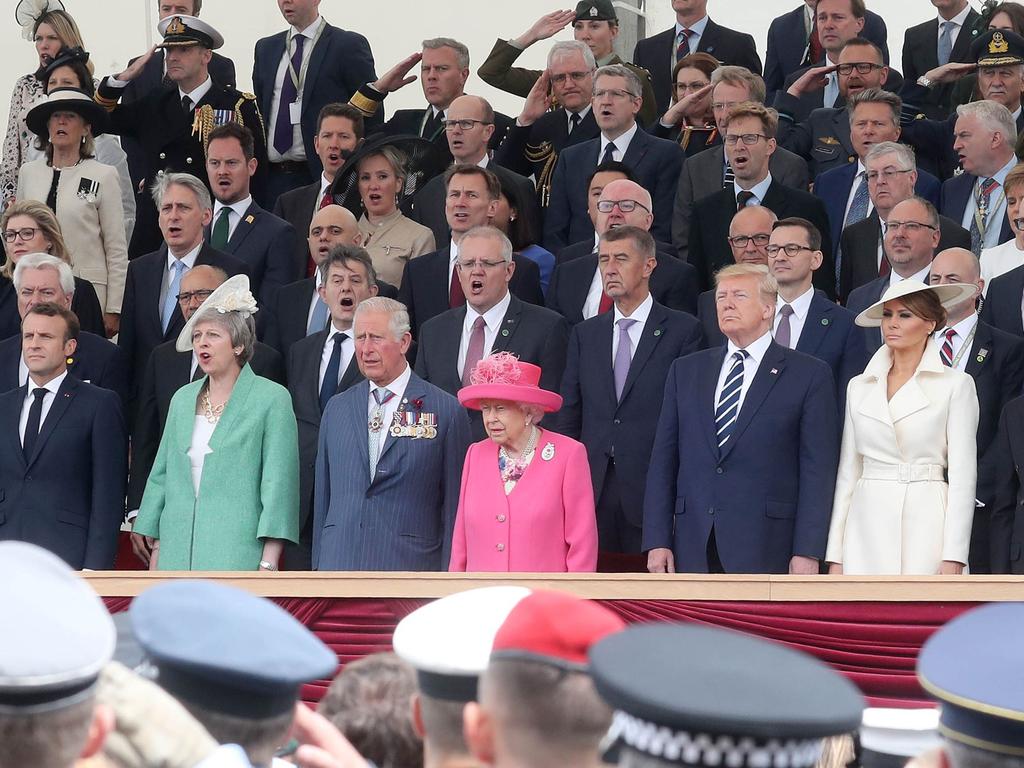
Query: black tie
x,y
35,415
574,121
742,199
186,105
432,126
609,156
329,386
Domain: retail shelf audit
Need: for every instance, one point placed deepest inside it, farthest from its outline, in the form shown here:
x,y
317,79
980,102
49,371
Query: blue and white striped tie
x,y
729,401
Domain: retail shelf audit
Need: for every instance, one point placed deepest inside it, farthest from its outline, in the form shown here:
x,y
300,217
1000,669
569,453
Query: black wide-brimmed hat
x,y
66,100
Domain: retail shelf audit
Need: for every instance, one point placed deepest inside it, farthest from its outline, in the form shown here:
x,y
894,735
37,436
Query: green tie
x,y
220,229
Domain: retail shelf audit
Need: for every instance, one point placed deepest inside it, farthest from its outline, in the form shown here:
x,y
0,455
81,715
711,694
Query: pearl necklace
x,y
513,469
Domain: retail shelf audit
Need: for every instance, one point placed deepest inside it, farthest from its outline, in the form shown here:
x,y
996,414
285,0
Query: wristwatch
x,y
267,566
924,82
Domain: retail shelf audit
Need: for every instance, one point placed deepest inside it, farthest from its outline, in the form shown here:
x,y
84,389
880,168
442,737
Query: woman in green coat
x,y
224,490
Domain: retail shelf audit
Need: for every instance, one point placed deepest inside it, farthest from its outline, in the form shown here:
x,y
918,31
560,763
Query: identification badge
x,y
295,112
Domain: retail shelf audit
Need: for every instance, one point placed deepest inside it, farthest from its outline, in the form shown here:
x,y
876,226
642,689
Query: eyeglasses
x,y
186,298
750,139
482,264
626,206
791,249
576,77
888,174
25,233
741,241
910,226
862,67
613,93
463,125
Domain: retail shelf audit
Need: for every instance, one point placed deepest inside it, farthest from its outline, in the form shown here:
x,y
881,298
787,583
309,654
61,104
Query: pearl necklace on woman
x,y
513,469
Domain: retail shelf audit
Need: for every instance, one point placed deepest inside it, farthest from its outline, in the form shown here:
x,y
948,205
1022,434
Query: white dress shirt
x,y
1000,260
696,33
582,113
759,190
297,150
493,318
196,95
921,277
801,306
963,330
237,212
189,259
51,388
453,259
997,201
348,349
958,24
621,144
755,353
596,290
635,331
316,297
398,386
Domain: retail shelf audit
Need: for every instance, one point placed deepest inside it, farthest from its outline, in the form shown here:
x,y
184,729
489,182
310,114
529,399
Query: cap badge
x,y
593,11
176,27
998,43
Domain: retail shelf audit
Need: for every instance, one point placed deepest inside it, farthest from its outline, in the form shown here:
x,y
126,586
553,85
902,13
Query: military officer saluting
x,y
173,124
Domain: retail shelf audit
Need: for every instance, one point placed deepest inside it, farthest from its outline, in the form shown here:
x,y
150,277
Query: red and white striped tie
x,y
946,352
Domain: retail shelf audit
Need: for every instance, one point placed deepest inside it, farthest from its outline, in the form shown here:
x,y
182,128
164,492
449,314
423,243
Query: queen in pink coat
x,y
527,502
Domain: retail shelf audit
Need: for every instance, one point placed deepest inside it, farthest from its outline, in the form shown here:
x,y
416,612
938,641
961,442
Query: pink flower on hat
x,y
499,368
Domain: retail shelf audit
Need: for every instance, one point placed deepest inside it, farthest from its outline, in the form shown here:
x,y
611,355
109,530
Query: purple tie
x,y
784,333
283,134
623,356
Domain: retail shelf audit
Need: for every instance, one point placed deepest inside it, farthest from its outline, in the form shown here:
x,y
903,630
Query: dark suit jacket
x,y
808,102
551,128
621,429
297,206
704,174
1007,520
141,329
859,243
823,139
860,299
655,164
428,206
1001,308
533,334
338,65
829,334
957,194
767,494
68,496
95,360
167,371
656,54
425,284
834,187
84,304
410,122
920,54
673,284
265,242
709,230
787,45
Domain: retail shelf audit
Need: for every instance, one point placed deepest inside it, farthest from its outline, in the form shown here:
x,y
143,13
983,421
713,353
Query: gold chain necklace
x,y
211,412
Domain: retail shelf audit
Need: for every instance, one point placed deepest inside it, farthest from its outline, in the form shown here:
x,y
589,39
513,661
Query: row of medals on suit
x,y
405,423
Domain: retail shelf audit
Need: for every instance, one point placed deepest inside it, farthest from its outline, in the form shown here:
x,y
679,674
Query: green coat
x,y
249,490
497,70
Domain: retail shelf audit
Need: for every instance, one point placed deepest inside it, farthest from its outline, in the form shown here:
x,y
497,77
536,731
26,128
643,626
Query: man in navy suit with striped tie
x,y
389,459
744,461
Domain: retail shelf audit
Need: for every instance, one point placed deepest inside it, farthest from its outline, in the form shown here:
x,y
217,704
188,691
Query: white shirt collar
x,y
335,329
396,385
309,32
760,189
453,257
492,317
640,314
582,113
959,19
239,208
189,258
621,142
963,328
757,349
51,386
921,277
324,184
698,28
1003,172
197,95
801,304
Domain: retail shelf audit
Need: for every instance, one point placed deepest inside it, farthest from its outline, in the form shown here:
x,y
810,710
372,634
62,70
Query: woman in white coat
x,y
904,500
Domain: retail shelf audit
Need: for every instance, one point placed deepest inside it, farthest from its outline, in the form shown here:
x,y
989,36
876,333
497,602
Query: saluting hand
x,y
323,745
398,76
136,67
546,26
536,101
674,115
813,79
951,72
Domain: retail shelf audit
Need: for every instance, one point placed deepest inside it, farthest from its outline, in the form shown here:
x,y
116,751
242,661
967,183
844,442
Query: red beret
x,y
554,627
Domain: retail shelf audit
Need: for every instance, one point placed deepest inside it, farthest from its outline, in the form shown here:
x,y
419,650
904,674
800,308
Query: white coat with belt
x,y
905,492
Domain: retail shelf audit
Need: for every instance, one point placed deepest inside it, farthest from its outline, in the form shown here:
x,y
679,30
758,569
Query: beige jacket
x,y
392,242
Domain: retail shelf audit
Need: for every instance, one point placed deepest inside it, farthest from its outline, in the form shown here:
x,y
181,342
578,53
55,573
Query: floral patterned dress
x,y
27,91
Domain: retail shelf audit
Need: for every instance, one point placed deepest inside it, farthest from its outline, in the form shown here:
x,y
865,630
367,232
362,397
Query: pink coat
x,y
547,523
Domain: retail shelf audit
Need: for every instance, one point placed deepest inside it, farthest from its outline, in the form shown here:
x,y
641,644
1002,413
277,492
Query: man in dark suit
x,y
793,39
150,313
744,460
1002,306
63,457
995,360
41,277
709,171
577,291
240,227
319,368
430,283
1007,520
693,32
295,74
938,41
891,178
614,379
470,124
911,238
163,121
385,501
655,162
491,320
753,185
167,371
538,135
339,130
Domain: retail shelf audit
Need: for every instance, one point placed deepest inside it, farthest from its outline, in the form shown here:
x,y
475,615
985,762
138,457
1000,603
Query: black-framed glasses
x,y
742,241
888,174
185,298
483,264
910,226
576,77
25,233
626,206
750,139
614,93
466,124
862,67
790,249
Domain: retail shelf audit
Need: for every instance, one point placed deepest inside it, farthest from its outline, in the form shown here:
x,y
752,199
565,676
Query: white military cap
x,y
889,737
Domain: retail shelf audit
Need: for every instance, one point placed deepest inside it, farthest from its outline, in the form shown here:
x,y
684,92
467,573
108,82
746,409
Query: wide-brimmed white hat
x,y
950,295
230,296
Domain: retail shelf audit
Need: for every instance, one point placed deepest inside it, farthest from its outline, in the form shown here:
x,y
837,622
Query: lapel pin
x,y
658,332
504,331
249,219
824,321
982,354
775,371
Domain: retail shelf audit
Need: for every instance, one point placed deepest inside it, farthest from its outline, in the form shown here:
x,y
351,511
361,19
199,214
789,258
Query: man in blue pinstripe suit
x,y
389,461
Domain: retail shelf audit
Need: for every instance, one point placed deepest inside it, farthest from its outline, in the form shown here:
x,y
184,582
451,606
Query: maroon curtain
x,y
874,644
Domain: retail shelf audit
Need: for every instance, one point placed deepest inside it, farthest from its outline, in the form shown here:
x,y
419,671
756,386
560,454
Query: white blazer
x,y
894,513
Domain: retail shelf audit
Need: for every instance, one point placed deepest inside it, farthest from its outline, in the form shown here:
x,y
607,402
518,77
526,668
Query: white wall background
x,y
115,30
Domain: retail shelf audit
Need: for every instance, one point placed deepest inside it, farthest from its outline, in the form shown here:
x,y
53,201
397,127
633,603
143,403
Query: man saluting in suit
x,y
389,461
744,462
59,427
612,408
321,366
